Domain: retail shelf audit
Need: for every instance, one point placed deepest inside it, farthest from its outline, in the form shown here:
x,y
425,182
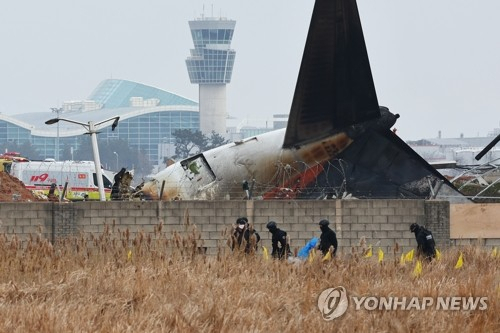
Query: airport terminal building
x,y
148,117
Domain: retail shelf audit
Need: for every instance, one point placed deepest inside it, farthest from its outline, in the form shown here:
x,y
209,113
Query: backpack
x,y
427,233
429,238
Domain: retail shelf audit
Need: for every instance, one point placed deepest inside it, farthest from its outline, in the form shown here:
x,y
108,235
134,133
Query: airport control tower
x,y
211,66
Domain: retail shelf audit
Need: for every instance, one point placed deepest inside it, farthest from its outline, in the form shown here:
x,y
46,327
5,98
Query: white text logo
x,y
333,303
421,303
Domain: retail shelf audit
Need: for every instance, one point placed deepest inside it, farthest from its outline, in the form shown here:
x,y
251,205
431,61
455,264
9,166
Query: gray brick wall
x,y
380,223
437,219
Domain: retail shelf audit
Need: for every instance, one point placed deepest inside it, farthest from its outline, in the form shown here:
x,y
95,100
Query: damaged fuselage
x,y
271,170
219,173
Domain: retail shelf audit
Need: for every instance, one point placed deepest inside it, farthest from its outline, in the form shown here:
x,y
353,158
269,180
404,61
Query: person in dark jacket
x,y
328,238
281,248
115,189
244,234
426,245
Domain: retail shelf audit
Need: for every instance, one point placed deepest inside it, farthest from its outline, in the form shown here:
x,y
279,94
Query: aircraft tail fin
x,y
335,87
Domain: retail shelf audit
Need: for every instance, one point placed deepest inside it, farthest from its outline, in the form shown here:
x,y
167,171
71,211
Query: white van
x,y
38,176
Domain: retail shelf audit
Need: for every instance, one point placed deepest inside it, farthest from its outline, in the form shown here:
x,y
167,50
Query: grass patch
x,y
161,283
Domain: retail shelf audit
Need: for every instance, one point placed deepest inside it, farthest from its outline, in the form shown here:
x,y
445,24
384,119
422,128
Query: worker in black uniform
x,y
281,248
244,233
115,189
327,239
426,245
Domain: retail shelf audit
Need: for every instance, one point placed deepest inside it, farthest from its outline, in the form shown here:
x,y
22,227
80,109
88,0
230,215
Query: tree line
x,y
189,143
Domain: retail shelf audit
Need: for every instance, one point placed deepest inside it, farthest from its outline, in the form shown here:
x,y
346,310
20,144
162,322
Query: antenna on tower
x,y
212,10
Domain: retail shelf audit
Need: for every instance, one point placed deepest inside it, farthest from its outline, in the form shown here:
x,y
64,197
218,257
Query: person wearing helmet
x,y
245,235
327,239
281,248
426,245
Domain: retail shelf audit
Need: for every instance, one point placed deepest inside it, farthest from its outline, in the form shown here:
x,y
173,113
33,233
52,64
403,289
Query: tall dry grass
x,y
160,283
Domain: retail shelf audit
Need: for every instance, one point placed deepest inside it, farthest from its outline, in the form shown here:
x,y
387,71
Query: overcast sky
x,y
435,62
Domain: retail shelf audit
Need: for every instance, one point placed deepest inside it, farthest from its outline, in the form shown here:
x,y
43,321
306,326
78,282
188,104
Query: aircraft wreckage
x,y
338,141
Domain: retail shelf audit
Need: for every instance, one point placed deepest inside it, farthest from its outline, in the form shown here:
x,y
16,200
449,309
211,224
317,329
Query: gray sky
x,y
435,62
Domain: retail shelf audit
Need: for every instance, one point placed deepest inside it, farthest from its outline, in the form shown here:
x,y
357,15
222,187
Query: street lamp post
x,y
56,154
116,160
92,130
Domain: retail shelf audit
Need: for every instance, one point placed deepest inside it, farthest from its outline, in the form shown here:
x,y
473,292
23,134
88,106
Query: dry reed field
x,y
160,283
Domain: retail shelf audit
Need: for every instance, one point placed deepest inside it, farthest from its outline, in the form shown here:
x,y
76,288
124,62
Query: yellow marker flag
x,y
369,253
438,255
409,256
265,254
402,260
311,256
129,255
327,256
494,253
417,271
460,261
380,255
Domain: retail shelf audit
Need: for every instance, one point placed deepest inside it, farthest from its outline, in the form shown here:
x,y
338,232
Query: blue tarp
x,y
304,252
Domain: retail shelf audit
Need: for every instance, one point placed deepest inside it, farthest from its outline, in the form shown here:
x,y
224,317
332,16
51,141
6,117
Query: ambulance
x,y
80,176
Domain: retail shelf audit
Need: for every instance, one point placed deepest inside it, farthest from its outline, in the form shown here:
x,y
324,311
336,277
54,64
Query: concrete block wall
x,y
437,219
380,223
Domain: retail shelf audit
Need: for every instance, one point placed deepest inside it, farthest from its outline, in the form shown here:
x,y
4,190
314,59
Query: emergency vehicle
x,y
7,158
80,177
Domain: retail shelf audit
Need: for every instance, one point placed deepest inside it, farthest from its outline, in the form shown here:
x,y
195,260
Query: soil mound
x,y
12,189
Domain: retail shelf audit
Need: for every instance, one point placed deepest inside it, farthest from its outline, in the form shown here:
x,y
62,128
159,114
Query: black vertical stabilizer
x,y
335,86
